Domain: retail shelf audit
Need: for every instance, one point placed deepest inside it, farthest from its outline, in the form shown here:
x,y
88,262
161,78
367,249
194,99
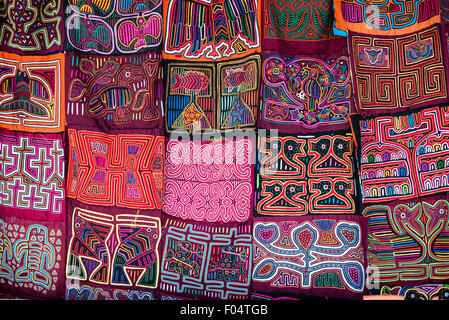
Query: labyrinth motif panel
x,y
296,20
31,258
32,92
114,92
404,156
211,30
31,26
208,96
407,241
124,170
299,175
316,255
210,181
303,93
32,178
114,26
398,72
206,261
385,17
112,256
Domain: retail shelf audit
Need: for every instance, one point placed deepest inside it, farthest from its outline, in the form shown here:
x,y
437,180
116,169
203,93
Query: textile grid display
x,y
224,150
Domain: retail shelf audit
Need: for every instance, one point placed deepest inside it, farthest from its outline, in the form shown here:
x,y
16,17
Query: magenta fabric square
x,y
314,255
210,181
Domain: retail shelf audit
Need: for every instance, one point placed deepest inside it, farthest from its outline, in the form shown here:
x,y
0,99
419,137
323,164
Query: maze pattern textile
x,y
314,255
404,156
385,17
112,254
114,26
31,26
32,178
32,92
210,182
32,258
398,72
211,30
124,170
212,96
114,92
295,20
206,261
299,175
422,292
408,241
307,92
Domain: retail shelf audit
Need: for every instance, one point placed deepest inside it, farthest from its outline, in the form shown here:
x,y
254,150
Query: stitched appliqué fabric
x,y
113,26
398,72
386,17
206,261
210,182
32,92
404,156
114,92
300,175
315,255
124,170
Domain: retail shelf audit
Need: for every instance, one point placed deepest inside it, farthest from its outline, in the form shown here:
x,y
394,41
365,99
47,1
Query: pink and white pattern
x,y
209,181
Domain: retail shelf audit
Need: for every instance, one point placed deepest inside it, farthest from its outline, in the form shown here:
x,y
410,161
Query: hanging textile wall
x,y
224,150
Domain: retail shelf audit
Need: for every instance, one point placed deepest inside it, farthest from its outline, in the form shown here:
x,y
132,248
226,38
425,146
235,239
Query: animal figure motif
x,y
229,267
37,256
110,89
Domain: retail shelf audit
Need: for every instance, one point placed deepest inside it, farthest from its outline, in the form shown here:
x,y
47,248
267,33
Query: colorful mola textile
x,y
112,254
32,257
395,73
404,156
122,92
444,11
211,30
422,292
210,181
32,176
306,92
32,26
385,17
299,175
205,260
32,92
117,169
292,21
314,255
114,26
32,214
408,241
211,96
